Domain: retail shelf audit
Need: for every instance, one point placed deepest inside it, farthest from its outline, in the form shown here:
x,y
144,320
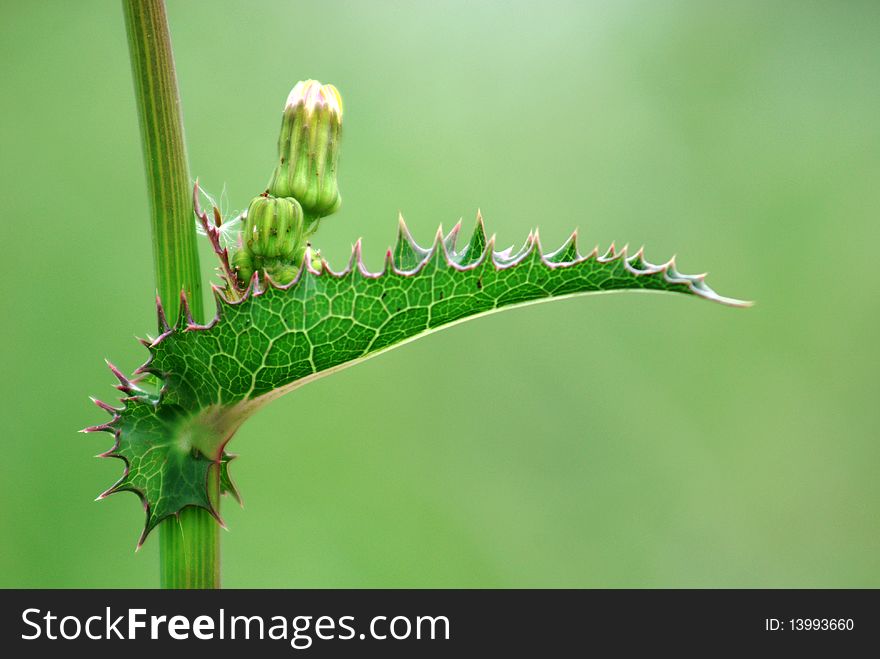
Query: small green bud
x,y
315,259
308,149
271,240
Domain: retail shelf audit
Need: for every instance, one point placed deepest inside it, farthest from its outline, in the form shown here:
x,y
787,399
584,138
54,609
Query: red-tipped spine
x,y
163,320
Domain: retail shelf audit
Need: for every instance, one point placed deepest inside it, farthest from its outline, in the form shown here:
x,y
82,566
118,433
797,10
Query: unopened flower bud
x,y
308,149
271,240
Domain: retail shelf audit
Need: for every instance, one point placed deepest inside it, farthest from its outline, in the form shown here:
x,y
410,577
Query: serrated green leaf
x,y
277,338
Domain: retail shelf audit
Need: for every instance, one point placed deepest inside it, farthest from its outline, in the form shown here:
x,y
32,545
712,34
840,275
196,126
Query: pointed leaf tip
x,y
475,250
125,385
637,261
185,317
406,254
610,254
450,239
567,252
160,311
104,406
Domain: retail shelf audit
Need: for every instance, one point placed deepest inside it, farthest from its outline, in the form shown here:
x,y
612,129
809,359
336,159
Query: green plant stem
x,y
190,543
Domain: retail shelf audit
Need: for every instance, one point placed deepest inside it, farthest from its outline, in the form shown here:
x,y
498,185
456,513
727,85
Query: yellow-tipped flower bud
x,y
271,240
308,149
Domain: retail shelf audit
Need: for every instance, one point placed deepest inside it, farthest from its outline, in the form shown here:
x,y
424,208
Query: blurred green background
x,y
606,441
